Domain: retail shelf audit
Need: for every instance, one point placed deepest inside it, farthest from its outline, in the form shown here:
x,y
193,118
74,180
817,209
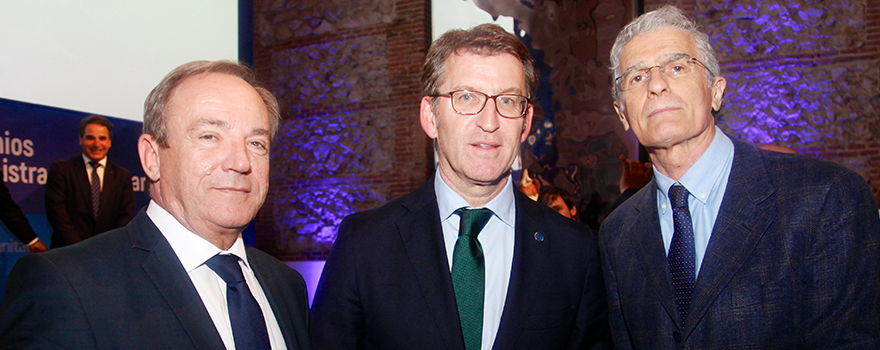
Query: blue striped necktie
x,y
96,188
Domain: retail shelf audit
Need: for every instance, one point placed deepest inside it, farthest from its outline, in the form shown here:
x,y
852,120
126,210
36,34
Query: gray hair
x,y
157,101
664,17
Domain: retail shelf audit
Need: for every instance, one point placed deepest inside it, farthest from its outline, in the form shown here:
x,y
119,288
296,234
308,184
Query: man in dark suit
x,y
729,246
178,276
88,194
465,261
14,219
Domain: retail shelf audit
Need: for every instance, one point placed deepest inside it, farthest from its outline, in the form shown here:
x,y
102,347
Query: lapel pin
x,y
539,236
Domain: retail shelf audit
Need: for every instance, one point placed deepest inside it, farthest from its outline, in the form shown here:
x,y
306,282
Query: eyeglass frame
x,y
493,97
662,70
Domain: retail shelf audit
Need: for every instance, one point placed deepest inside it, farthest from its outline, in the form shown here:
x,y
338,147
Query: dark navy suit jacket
x,y
387,285
126,289
792,263
69,201
13,217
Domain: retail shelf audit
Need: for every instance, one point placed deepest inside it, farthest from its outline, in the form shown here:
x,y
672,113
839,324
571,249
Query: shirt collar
x,y
86,159
503,205
701,177
191,249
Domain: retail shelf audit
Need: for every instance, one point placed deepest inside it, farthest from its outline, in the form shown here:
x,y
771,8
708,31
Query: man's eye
x,y
637,78
505,100
676,68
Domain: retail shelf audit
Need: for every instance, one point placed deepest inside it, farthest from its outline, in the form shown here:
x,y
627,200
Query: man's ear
x,y
148,149
527,123
622,115
427,117
718,92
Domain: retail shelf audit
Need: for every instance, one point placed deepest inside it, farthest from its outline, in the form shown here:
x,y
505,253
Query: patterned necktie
x,y
245,315
96,188
681,251
469,274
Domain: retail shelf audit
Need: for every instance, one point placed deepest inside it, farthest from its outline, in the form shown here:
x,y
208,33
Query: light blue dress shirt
x,y
706,181
497,239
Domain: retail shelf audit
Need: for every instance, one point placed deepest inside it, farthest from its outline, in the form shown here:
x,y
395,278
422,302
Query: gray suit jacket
x,y
126,289
792,263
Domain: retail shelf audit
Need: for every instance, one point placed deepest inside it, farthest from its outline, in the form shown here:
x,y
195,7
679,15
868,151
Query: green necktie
x,y
469,275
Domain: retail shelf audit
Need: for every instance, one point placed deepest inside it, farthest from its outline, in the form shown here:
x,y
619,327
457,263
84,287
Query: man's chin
x,y
96,157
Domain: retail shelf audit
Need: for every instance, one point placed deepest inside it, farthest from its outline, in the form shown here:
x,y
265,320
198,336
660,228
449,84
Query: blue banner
x,y
31,138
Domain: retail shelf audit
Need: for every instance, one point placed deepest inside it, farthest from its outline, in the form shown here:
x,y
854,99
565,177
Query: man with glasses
x,y
729,246
465,261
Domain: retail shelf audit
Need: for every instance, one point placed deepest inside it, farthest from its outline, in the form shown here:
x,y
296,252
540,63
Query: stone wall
x,y
802,74
346,75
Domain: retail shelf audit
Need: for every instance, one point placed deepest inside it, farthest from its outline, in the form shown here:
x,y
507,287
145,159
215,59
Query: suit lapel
x,y
422,237
742,221
163,267
109,180
81,179
649,248
525,249
277,296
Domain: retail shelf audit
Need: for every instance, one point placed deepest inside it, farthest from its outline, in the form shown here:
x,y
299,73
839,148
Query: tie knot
x,y
95,165
473,220
678,195
226,266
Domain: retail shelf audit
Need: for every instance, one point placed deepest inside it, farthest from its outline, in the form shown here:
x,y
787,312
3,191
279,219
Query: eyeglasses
x,y
674,69
468,102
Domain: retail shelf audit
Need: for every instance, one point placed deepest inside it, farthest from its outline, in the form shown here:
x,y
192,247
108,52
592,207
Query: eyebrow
x,y
665,59
225,125
211,122
510,90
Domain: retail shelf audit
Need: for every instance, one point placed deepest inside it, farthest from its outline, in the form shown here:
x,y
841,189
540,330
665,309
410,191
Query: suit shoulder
x,y
122,170
65,164
92,251
385,214
261,258
799,171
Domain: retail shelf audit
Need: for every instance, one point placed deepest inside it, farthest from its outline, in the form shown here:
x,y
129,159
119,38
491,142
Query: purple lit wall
x,y
346,74
800,73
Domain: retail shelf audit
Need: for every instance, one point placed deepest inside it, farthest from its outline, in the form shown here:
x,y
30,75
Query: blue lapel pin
x,y
539,236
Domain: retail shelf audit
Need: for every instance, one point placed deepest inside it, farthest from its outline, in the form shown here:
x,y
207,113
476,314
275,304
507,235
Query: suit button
x,y
677,336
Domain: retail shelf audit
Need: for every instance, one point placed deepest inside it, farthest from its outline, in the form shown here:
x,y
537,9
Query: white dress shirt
x,y
193,251
101,168
497,239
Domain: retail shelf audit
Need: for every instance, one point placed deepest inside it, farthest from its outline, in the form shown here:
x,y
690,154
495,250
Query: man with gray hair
x,y
729,246
178,276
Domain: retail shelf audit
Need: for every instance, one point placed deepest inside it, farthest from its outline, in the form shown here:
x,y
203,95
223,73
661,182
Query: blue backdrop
x,y
31,138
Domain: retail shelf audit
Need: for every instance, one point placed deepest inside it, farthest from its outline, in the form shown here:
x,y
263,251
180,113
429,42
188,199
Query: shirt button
x,y
677,336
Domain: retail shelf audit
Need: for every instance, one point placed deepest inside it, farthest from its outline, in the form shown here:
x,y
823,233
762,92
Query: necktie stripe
x,y
95,184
